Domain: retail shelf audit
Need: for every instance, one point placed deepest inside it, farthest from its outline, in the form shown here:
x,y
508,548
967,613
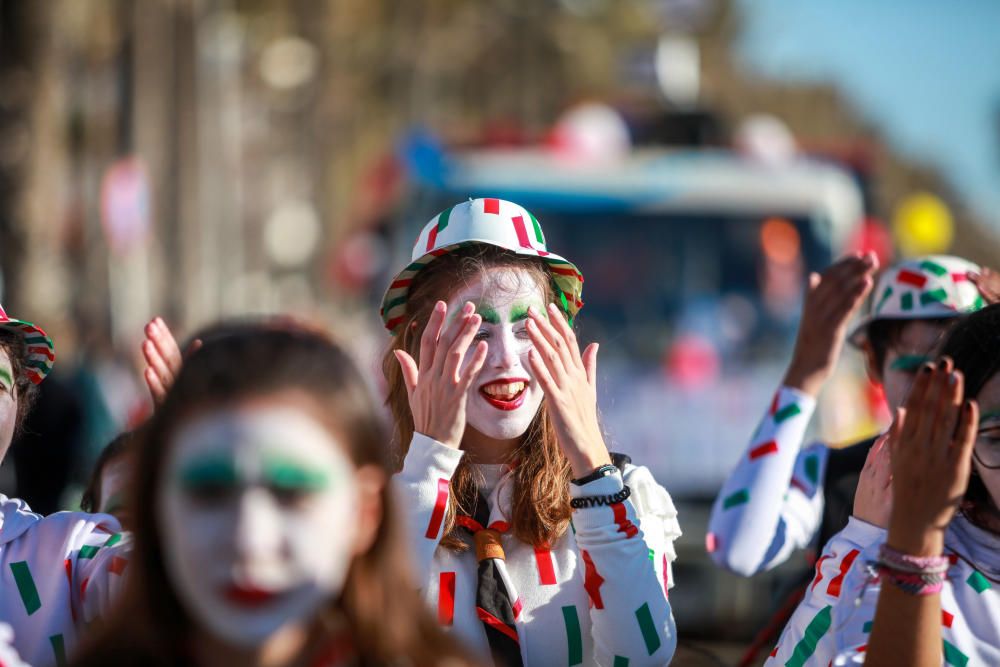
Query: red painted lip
x,y
248,597
514,404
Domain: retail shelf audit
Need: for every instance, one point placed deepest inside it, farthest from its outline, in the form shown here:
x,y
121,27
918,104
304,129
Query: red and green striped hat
x,y
41,352
924,288
491,221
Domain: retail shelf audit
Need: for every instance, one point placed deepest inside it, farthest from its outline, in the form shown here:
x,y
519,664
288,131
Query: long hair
x,y
540,511
384,614
974,345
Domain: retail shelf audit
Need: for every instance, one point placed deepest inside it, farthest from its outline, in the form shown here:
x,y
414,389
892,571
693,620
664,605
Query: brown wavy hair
x,y
540,511
386,618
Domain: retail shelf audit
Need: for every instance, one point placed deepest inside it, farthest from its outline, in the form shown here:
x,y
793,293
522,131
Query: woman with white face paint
x,y
533,545
937,551
264,534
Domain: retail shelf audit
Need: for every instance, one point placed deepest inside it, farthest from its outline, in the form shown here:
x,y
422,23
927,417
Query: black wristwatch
x,y
603,471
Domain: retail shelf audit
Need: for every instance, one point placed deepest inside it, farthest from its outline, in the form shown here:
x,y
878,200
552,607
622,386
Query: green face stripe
x,y
488,313
906,302
934,296
933,267
292,475
620,661
519,311
6,377
987,416
538,229
574,637
814,631
908,362
59,649
735,499
213,470
978,582
649,634
812,469
786,412
953,656
26,587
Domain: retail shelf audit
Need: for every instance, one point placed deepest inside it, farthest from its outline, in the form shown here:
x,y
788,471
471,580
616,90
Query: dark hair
x,y
385,615
974,345
122,444
25,390
883,335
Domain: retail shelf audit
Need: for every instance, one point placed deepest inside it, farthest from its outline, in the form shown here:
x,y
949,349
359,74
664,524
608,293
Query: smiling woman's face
x,y
258,512
505,397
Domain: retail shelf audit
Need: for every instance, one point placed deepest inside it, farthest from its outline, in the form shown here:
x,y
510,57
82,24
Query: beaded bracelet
x,y
598,501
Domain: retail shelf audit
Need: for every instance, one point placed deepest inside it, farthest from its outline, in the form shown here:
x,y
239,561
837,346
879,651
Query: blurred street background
x,y
696,158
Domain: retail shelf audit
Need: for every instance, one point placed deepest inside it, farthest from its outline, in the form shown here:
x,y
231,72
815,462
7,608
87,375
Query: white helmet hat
x,y
487,221
923,288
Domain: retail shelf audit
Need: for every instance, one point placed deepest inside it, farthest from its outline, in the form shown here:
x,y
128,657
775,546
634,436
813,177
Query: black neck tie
x,y
496,602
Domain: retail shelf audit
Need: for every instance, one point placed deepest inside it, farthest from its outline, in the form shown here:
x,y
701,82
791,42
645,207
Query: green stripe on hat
x,y
934,296
398,301
538,228
978,582
933,267
979,303
885,297
953,656
735,499
59,649
906,301
574,637
814,632
26,586
35,340
649,634
443,219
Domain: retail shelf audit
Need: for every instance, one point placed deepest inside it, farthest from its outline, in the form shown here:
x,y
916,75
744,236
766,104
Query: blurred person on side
x,y
108,487
264,530
60,572
913,578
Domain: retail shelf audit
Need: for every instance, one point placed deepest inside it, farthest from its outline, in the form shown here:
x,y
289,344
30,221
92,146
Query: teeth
x,y
506,391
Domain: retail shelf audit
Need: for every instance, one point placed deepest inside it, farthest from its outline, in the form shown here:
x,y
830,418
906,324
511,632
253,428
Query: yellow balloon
x,y
923,225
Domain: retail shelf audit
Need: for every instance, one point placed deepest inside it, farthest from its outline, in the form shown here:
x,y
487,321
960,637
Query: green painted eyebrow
x,y
6,376
209,471
488,313
520,312
293,475
909,362
987,416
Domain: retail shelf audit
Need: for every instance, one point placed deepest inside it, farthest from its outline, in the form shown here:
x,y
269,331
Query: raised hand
x,y
931,459
438,385
831,301
163,358
569,380
873,498
988,283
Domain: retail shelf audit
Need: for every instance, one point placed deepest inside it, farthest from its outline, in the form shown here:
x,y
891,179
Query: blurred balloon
x,y
873,236
692,362
591,132
292,233
766,138
780,240
923,225
289,62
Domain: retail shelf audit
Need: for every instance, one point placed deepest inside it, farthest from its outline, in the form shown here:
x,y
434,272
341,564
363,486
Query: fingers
x,y
475,365
193,347
590,363
156,363
949,412
156,388
166,345
935,400
429,338
547,343
408,367
558,320
814,280
896,432
965,431
456,353
450,334
915,400
541,371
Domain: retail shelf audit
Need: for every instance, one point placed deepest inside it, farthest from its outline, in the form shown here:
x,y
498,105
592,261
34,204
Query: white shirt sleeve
x,y
422,491
627,549
772,502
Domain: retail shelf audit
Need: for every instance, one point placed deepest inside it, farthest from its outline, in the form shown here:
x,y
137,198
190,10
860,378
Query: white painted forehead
x,y
291,429
506,283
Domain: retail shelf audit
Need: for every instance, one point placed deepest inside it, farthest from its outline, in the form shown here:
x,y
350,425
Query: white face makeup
x,y
8,403
506,396
258,509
